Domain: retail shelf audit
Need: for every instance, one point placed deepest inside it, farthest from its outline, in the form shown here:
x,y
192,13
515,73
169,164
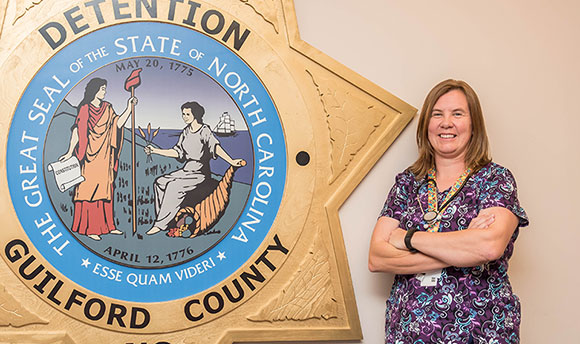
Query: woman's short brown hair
x,y
477,154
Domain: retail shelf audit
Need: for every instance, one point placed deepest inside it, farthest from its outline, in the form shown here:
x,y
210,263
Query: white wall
x,y
523,59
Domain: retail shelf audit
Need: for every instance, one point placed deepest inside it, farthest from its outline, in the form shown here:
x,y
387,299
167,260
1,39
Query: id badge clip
x,y
429,278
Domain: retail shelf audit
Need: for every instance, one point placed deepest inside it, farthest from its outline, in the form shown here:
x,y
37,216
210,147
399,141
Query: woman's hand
x,y
385,257
397,238
125,115
149,149
65,157
132,101
482,221
238,162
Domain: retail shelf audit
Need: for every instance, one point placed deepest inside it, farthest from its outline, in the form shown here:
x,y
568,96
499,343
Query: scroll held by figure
x,y
67,173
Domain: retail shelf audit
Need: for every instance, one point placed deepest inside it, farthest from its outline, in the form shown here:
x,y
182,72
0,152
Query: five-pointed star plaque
x,y
171,172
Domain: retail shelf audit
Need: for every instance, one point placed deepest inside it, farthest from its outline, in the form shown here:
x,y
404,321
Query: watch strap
x,y
408,237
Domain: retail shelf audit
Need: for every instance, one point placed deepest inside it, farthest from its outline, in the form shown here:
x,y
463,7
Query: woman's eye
x,y
458,114
436,114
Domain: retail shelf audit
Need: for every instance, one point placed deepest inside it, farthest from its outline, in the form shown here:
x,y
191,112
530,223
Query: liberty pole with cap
x,y
132,82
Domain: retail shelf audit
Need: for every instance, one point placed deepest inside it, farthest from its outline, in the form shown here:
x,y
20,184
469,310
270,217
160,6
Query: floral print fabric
x,y
474,303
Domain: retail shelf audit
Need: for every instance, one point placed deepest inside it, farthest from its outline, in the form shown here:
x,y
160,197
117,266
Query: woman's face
x,y
187,116
450,125
101,92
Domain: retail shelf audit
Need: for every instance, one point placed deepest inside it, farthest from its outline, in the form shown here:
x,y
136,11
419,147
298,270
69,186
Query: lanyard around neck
x,y
432,218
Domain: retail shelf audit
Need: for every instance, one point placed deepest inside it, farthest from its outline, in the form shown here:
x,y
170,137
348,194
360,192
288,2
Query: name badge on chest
x,y
429,278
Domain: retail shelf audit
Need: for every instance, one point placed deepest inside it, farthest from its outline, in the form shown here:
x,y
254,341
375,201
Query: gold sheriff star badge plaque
x,y
172,172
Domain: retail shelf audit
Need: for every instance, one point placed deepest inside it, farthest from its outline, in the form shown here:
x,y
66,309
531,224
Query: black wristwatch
x,y
408,237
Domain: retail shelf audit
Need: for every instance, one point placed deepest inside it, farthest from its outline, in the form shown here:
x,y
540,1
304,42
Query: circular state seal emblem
x,y
146,162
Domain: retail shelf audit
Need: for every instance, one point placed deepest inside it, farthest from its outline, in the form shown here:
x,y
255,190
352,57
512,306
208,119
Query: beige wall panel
x,y
522,60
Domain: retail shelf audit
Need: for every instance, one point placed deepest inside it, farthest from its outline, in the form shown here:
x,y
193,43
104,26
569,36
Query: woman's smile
x,y
187,116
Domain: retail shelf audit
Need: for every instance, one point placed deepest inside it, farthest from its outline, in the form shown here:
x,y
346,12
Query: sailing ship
x,y
226,125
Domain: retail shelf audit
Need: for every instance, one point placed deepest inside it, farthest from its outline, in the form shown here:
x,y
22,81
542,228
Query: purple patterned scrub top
x,y
468,304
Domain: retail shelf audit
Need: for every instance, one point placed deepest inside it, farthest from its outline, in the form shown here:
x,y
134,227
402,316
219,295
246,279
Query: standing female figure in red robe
x,y
96,140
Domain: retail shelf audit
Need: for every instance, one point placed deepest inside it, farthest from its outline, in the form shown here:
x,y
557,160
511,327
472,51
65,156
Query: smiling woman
x,y
449,128
448,229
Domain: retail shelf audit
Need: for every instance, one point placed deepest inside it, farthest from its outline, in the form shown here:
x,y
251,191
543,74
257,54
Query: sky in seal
x,y
165,85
